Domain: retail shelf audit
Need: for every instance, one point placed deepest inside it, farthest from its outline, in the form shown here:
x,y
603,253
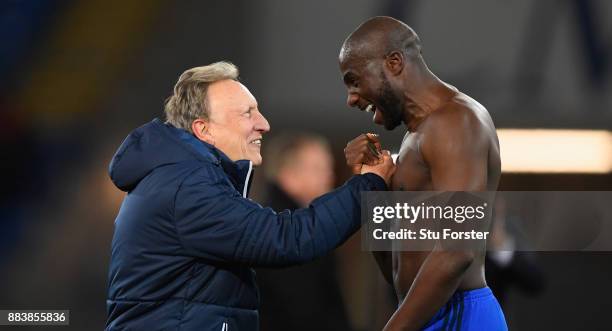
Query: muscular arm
x,y
455,151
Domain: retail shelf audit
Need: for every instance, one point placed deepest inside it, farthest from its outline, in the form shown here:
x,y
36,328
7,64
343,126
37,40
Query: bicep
x,y
216,224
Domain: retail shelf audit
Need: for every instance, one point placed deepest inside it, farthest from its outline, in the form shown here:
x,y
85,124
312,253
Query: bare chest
x,y
412,173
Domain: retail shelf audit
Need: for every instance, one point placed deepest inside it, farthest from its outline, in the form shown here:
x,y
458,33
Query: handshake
x,y
364,154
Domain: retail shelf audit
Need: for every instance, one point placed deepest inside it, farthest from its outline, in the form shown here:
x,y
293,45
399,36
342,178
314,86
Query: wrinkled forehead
x,y
358,55
353,66
346,53
230,94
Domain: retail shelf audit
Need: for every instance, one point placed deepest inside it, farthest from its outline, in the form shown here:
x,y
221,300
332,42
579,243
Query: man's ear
x,y
201,129
394,62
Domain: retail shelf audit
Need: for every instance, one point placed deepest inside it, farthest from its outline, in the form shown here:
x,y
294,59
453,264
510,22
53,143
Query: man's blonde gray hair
x,y
188,101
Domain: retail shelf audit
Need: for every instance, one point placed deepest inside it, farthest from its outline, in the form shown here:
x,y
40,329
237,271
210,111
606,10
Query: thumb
x,y
386,154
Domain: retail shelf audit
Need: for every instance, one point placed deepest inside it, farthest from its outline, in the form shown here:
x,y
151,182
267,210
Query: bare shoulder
x,y
462,120
459,113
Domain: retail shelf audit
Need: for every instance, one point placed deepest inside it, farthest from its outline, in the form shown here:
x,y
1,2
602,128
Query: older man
x,y
187,236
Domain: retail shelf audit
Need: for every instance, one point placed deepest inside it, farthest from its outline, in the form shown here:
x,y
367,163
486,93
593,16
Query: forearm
x,y
215,223
438,279
295,237
385,264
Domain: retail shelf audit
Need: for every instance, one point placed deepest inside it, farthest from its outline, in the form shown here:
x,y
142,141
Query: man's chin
x,y
257,160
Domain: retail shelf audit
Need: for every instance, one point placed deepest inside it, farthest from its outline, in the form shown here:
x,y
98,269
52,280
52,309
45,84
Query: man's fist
x,y
365,149
364,154
385,168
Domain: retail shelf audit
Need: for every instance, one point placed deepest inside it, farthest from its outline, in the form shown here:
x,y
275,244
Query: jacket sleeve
x,y
215,222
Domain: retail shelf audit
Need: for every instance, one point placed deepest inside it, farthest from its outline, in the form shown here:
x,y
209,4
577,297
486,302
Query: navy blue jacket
x,y
186,236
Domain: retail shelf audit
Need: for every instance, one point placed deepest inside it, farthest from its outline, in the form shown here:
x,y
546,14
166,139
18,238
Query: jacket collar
x,y
239,172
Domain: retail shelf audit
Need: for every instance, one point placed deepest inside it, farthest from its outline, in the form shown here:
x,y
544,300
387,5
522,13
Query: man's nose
x,y
352,99
262,124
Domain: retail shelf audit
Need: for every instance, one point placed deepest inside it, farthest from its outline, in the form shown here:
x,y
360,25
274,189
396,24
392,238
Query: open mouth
x,y
257,141
370,108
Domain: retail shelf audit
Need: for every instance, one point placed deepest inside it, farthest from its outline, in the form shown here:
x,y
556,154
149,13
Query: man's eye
x,y
247,114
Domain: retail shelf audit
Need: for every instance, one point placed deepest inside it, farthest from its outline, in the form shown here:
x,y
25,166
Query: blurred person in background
x,y
186,236
508,264
299,168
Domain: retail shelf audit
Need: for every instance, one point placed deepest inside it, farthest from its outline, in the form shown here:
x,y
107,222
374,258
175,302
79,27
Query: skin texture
x,y
450,145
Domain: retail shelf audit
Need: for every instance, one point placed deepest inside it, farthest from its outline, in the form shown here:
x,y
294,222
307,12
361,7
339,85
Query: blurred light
x,y
556,151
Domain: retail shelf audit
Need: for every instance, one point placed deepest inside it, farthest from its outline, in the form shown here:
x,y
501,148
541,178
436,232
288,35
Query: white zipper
x,y
246,186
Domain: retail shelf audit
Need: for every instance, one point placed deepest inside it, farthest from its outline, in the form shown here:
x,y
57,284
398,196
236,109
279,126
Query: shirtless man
x,y
451,145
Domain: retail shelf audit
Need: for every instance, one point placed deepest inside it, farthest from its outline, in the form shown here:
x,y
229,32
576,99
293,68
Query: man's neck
x,y
425,95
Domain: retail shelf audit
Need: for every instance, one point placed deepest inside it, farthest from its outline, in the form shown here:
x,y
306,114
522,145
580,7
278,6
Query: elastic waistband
x,y
469,295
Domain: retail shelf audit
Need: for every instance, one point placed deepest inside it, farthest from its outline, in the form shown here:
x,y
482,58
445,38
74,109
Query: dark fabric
x,y
291,297
185,238
522,273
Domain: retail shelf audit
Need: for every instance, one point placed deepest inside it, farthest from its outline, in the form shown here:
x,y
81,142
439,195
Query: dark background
x,y
77,76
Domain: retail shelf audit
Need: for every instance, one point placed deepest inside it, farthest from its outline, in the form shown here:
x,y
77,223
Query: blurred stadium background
x,y
77,76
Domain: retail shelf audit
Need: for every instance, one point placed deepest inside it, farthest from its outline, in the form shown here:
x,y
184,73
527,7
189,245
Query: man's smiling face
x,y
370,90
235,123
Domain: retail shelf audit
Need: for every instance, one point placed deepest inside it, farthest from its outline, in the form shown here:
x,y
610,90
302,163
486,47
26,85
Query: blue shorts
x,y
469,310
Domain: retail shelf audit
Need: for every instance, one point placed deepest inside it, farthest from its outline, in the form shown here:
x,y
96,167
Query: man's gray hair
x,y
188,101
